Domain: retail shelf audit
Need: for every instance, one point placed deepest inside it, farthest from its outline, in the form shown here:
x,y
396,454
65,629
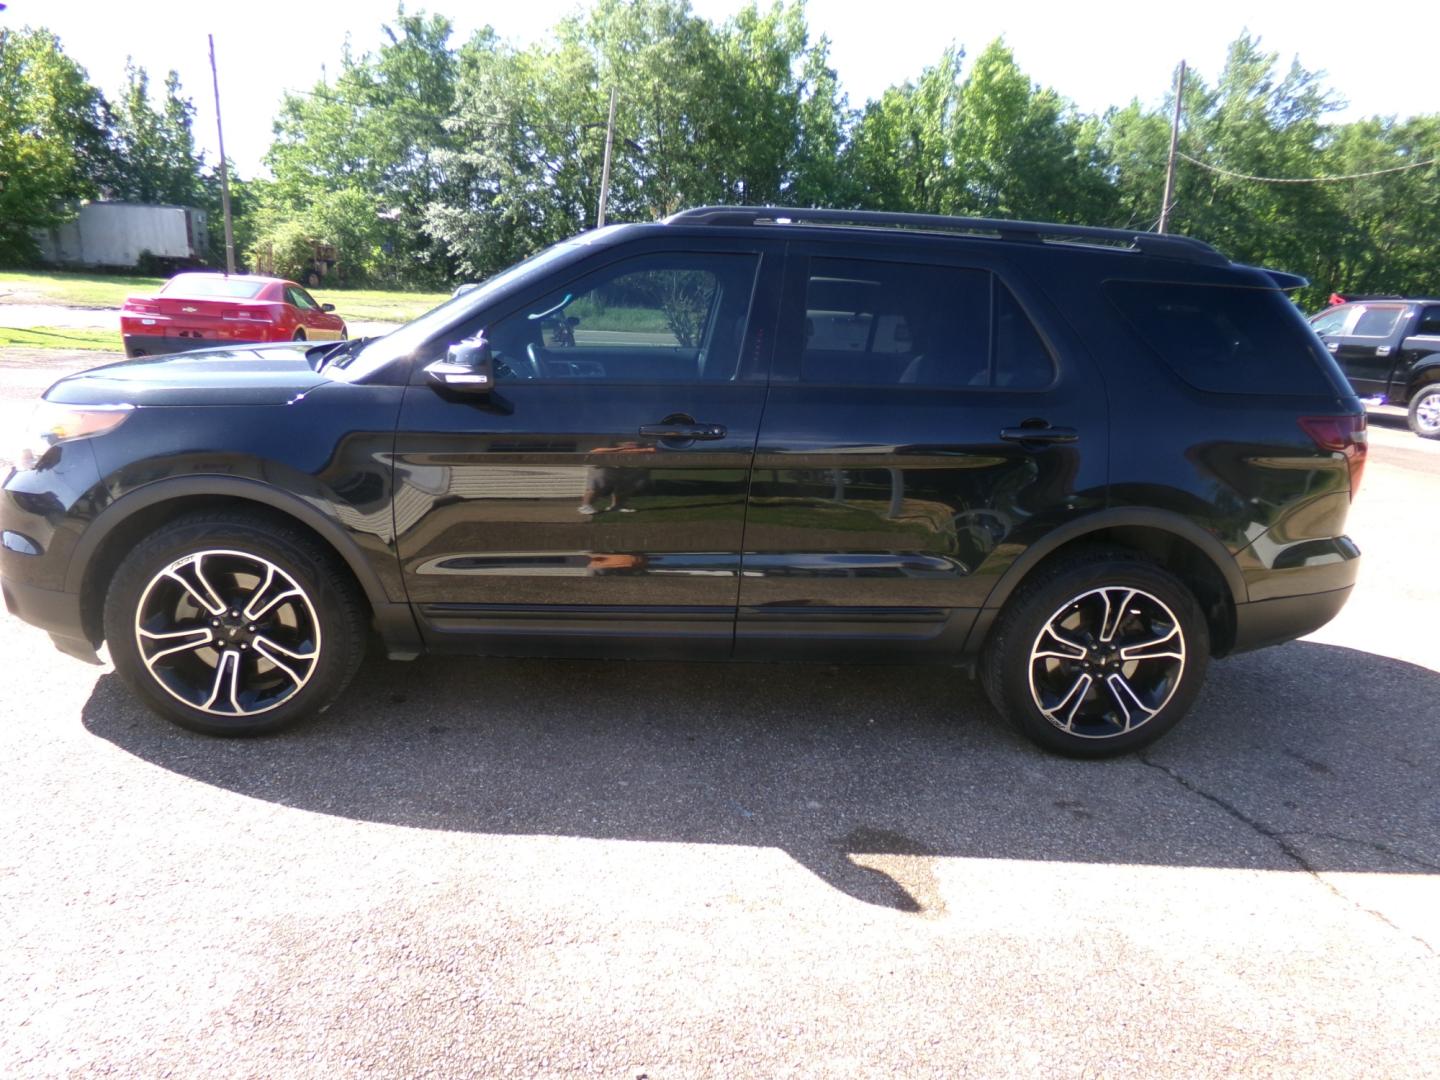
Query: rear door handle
x,y
1038,434
670,429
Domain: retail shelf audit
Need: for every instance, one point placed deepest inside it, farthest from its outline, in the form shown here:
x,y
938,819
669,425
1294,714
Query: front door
x,y
319,325
1364,347
919,429
595,501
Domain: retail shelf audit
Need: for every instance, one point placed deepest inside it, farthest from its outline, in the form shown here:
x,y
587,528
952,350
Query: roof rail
x,y
1185,248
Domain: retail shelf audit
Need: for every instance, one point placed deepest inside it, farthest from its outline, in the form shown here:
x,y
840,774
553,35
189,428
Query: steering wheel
x,y
537,365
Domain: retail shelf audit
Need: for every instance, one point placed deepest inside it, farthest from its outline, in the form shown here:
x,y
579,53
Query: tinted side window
x,y
1224,339
1331,322
1022,362
872,323
652,318
1429,321
1377,321
300,299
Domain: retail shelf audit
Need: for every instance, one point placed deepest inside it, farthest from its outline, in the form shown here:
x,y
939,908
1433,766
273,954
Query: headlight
x,y
52,424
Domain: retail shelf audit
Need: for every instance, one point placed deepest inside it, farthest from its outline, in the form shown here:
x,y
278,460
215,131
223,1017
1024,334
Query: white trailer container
x,y
115,234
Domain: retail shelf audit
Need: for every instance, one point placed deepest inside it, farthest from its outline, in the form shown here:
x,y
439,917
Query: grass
x,y
60,337
67,289
593,317
72,290
379,305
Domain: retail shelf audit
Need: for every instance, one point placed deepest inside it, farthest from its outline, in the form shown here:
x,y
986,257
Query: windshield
x,y
412,335
238,288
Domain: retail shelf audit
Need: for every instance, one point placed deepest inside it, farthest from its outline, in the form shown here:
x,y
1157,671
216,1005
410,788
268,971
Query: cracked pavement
x,y
540,868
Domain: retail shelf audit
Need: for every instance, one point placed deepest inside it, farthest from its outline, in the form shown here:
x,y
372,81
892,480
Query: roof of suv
x,y
1156,245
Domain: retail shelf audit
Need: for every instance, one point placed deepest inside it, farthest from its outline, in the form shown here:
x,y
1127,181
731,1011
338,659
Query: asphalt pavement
x,y
497,868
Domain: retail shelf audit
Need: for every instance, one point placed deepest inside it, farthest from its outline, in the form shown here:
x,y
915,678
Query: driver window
x,y
653,318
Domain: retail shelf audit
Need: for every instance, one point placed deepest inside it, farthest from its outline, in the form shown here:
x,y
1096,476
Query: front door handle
x,y
682,429
1039,433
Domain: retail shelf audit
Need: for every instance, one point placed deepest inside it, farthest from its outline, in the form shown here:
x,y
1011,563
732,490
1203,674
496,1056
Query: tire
x,y
1424,414
299,335
287,639
1051,663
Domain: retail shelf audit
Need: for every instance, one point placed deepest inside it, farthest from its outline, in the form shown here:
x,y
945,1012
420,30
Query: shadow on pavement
x,y
1307,757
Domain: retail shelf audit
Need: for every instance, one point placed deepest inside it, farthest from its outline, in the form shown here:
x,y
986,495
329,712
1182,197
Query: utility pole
x,y
1174,146
605,172
224,167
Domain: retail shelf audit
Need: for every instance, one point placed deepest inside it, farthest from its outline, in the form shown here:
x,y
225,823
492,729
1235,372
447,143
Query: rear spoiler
x,y
1287,282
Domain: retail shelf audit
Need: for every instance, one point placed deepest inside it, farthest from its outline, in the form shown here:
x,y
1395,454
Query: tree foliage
x,y
429,160
52,138
153,157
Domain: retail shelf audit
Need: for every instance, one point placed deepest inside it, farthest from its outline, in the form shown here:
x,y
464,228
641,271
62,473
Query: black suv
x,y
1389,349
1078,461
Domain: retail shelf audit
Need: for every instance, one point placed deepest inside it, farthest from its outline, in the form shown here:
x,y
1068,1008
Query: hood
x,y
252,375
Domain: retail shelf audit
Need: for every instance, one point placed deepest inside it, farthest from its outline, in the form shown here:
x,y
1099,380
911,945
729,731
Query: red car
x,y
198,311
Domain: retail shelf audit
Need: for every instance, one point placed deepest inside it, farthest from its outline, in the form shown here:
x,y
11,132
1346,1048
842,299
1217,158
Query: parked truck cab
x,y
1389,349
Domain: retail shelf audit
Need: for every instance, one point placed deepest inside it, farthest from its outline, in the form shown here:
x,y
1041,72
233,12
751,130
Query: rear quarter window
x,y
1224,339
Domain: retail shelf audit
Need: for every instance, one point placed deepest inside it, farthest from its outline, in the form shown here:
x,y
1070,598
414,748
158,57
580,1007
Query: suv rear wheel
x,y
1101,654
233,624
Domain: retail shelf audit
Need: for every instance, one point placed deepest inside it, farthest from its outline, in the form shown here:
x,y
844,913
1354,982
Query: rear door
x,y
927,419
595,502
1420,349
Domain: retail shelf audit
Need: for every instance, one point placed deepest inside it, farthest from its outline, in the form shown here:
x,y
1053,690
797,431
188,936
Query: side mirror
x,y
327,307
468,368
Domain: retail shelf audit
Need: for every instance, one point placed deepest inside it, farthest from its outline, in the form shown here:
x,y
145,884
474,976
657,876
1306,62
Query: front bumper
x,y
58,613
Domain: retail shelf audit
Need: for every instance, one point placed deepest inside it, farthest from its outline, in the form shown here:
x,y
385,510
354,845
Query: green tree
x,y
378,128
154,157
52,138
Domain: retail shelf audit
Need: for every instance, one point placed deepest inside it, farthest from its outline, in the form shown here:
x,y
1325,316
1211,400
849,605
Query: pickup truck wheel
x,y
1425,412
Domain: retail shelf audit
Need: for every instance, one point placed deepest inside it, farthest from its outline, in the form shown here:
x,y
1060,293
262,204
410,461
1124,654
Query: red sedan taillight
x,y
140,306
251,313
1346,435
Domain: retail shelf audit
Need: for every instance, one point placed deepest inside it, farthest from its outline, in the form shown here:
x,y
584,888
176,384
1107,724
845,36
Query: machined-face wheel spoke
x,y
1070,704
1106,662
182,641
1128,701
228,632
1115,612
1165,647
283,658
201,591
269,595
226,681
1056,646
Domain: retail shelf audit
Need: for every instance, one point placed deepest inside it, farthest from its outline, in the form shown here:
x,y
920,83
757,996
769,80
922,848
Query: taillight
x,y
1344,435
141,307
251,313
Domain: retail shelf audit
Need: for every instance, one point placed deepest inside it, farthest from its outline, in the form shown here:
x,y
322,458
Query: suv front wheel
x,y
1100,654
233,624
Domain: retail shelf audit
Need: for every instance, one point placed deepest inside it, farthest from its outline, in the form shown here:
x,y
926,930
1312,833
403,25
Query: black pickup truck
x,y
1389,349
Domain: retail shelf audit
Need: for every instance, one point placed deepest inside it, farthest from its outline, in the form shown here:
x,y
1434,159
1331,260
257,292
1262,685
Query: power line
x,y
1307,179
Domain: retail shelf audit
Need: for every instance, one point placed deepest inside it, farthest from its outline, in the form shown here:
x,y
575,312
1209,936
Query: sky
x,y
1096,54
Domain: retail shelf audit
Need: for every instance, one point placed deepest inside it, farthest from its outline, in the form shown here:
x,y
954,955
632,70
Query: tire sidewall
x,y
1009,664
338,635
